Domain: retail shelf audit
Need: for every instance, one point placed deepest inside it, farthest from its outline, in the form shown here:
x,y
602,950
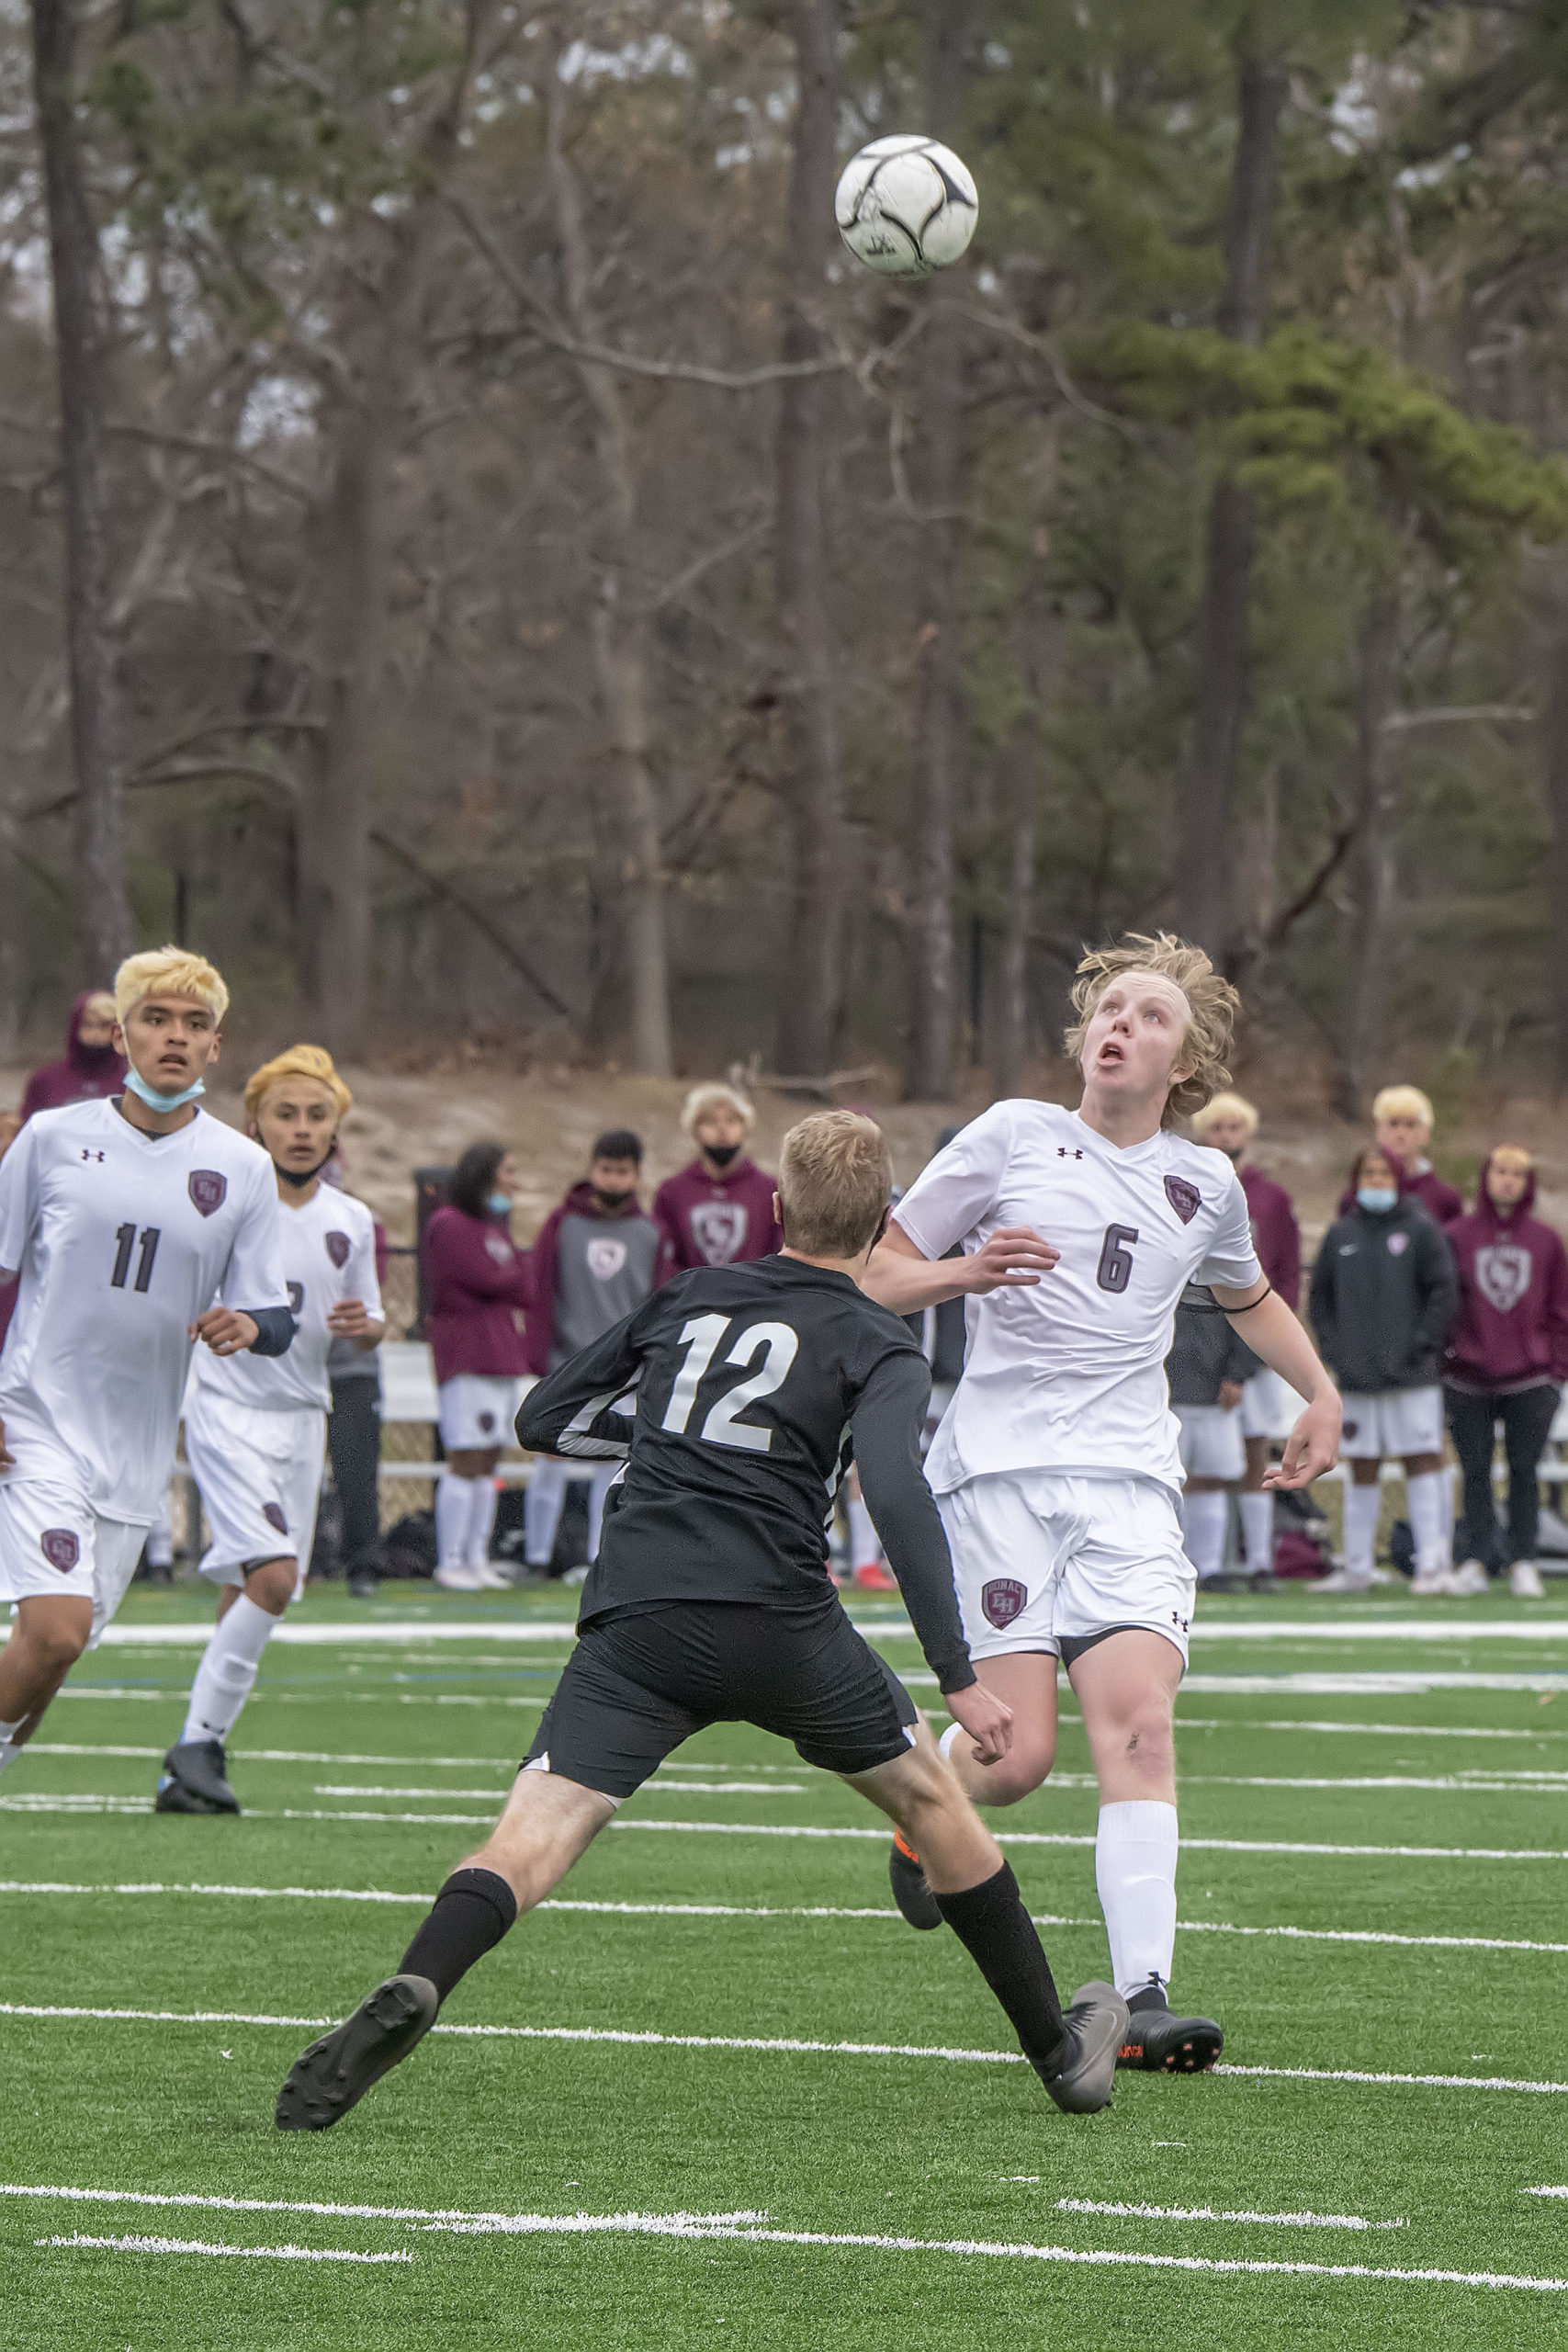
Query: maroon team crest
x,y
1003,1599
1503,1275
296,1298
1184,1198
60,1548
338,1248
208,1189
487,1423
272,1514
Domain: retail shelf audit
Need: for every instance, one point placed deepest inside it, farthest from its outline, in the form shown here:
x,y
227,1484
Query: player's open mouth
x,y
1110,1052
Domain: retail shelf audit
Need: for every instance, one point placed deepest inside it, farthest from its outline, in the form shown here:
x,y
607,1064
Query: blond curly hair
x,y
311,1062
1211,1008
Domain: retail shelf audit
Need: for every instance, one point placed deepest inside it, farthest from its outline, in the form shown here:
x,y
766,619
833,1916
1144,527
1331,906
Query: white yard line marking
x,y
319,1634
1544,2192
267,1696
686,1788
787,2045
1209,2213
199,2245
765,1911
1389,1731
1368,1684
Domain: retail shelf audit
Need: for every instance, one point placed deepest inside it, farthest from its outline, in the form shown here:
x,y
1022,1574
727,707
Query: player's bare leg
x,y
1126,1686
1075,2054
1024,1681
195,1777
548,1823
47,1636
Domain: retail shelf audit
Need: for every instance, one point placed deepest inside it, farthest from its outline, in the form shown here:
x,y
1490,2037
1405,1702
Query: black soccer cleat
x,y
1083,2072
195,1779
1158,2043
910,1892
335,2073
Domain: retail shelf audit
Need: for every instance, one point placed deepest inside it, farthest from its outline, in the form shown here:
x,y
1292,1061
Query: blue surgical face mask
x,y
499,1204
156,1101
1378,1199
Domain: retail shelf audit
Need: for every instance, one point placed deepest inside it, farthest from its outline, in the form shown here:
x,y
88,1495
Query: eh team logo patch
x,y
606,1258
60,1548
296,1299
1184,1198
207,1189
1003,1599
487,1423
272,1514
719,1228
337,1249
1502,1273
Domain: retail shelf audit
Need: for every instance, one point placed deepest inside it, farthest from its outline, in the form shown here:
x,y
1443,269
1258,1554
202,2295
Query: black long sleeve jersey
x,y
756,1386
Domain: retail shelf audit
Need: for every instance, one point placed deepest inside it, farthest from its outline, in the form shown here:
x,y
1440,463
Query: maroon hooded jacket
x,y
86,1071
1275,1233
477,1283
1441,1202
716,1220
1511,1330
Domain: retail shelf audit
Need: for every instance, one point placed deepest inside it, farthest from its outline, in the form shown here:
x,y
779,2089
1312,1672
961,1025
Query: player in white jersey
x,y
137,1226
256,1432
1056,1466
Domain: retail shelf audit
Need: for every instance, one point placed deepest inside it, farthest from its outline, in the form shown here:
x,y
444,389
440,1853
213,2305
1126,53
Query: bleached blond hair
x,y
1211,1008
313,1062
835,1182
1225,1106
712,1096
1404,1102
169,971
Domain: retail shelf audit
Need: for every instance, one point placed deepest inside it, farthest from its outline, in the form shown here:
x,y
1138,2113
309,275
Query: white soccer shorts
x,y
1393,1424
260,1477
1211,1442
1269,1406
54,1545
1041,1557
476,1410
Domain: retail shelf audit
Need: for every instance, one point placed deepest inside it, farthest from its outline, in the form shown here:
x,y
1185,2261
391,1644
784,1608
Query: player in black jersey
x,y
710,1602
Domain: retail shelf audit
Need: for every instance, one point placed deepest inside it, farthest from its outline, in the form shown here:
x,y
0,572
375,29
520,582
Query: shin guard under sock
x,y
471,1914
995,1930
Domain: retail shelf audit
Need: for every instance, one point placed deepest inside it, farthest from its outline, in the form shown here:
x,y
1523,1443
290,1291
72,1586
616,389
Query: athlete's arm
x,y
571,1410
902,1277
1271,1331
230,1331
885,1426
351,1320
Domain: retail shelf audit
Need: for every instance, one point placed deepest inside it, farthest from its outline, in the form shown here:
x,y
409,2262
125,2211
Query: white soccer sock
x,y
481,1519
1134,1870
1204,1518
864,1549
1258,1531
454,1501
542,1504
1424,1493
1362,1507
228,1668
9,1751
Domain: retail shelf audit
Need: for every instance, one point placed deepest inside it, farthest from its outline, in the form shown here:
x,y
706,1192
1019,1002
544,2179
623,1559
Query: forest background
x,y
479,559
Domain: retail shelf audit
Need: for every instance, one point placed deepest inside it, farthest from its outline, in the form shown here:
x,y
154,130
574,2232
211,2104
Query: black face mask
x,y
300,1177
1236,1156
721,1154
613,1203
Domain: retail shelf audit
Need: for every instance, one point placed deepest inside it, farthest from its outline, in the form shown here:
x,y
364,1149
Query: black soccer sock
x,y
990,1921
472,1913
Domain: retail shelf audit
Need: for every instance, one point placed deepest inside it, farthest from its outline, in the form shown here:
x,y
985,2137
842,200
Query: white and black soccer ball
x,y
906,205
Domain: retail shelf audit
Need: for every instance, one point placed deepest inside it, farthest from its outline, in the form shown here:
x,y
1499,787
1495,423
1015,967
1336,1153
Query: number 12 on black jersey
x,y
125,1237
702,1339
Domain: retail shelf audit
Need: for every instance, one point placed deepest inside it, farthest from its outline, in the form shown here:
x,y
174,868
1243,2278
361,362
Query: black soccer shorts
x,y
641,1681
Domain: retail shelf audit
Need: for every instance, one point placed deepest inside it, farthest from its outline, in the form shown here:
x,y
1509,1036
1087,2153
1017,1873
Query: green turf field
x,y
652,2121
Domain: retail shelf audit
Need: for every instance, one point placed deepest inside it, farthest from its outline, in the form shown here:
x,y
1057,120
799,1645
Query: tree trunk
x,y
95,730
1371,861
933,1007
1012,974
1207,792
811,1005
1556,778
619,633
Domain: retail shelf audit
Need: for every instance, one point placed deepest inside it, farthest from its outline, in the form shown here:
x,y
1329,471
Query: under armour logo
x,y
1063,1153
91,1155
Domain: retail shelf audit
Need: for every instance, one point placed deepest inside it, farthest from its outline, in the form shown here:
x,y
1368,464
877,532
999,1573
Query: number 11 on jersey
x,y
125,1238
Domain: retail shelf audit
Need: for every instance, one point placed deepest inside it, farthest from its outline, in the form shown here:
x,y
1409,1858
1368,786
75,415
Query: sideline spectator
x,y
595,1261
477,1285
10,1128
1382,1296
90,1066
1402,1125
1269,1407
1206,1368
719,1211
1506,1361
353,1429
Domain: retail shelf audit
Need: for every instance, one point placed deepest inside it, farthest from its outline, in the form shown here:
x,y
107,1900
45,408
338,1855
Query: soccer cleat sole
x,y
177,1799
1094,2028
335,2073
910,1892
1157,2043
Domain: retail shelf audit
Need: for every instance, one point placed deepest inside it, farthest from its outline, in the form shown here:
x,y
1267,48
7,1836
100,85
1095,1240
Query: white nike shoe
x,y
1468,1581
455,1576
1525,1581
1341,1581
1437,1584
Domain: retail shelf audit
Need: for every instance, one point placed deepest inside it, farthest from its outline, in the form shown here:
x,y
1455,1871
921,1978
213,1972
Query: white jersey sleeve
x,y
19,1199
253,1275
360,1279
1231,1260
959,1188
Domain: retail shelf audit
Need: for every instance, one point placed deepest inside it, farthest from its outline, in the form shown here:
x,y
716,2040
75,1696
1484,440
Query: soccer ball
x,y
906,205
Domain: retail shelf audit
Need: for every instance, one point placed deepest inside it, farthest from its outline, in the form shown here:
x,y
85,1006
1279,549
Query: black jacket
x,y
1384,1294
1206,1352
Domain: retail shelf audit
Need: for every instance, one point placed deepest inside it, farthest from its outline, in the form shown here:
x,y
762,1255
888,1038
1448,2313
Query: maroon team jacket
x,y
1276,1235
477,1283
1511,1330
716,1220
